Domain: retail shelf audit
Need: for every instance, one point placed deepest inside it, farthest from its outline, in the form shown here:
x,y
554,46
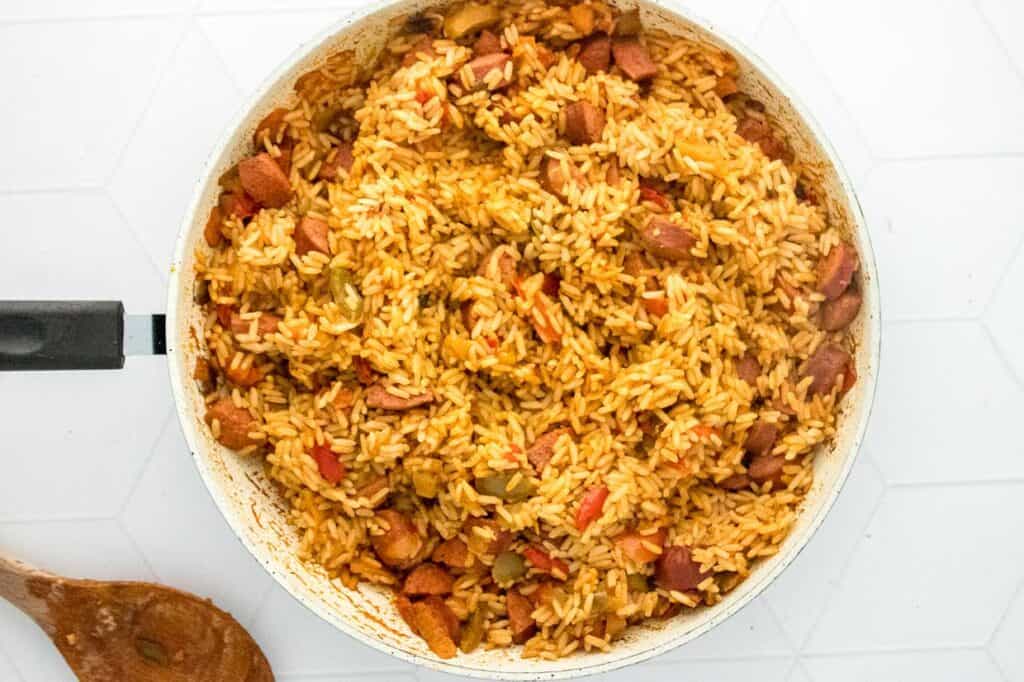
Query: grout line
x,y
161,274
162,76
1018,593
965,156
225,67
1003,674
830,596
889,650
161,432
88,19
850,118
1004,274
1003,360
138,549
994,34
18,674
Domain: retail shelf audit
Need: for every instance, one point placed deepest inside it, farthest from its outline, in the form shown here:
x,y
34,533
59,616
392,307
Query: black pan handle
x,y
39,335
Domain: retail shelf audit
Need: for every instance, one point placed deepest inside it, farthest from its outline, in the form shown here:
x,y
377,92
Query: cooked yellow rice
x,y
434,188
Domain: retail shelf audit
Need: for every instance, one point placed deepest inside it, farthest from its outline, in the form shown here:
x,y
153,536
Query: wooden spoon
x,y
109,630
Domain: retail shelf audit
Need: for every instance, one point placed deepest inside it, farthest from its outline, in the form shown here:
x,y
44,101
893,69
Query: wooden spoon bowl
x,y
112,630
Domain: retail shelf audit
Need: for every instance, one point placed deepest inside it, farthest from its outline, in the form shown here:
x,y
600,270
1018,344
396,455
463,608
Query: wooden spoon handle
x,y
19,584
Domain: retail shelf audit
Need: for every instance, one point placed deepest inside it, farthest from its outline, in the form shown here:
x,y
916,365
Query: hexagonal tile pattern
x,y
753,630
900,86
959,275
100,550
1006,17
44,255
924,543
1004,315
800,594
934,666
36,10
1006,645
151,160
320,650
778,43
179,544
924,396
75,442
739,18
68,131
278,35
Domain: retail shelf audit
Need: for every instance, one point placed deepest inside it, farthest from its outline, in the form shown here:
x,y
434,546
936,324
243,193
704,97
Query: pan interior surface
x,y
258,515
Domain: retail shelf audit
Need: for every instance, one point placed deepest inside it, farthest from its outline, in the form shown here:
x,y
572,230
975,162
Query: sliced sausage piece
x,y
835,271
583,123
498,265
539,454
485,536
596,54
667,240
421,49
363,369
520,618
377,396
237,205
676,570
266,323
432,625
264,181
428,579
748,369
761,438
481,66
451,621
400,544
837,314
338,158
235,423
486,44
757,131
212,229
311,235
371,490
826,366
407,612
634,60
453,553
735,482
270,127
554,180
764,468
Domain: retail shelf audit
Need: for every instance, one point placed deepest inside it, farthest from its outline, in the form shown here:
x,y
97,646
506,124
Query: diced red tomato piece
x,y
634,545
492,342
655,197
327,462
543,562
422,96
655,306
704,431
591,506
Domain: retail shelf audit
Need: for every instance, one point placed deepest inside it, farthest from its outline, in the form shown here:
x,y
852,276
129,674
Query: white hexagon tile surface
x,y
918,573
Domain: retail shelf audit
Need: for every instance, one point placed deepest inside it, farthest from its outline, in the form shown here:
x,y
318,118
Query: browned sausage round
x,y
428,579
378,397
486,44
835,271
540,452
338,158
423,48
583,123
826,365
666,239
235,423
758,131
481,66
748,369
264,181
676,570
634,60
761,438
764,468
735,482
554,180
520,618
453,553
266,323
311,235
400,544
837,314
596,54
